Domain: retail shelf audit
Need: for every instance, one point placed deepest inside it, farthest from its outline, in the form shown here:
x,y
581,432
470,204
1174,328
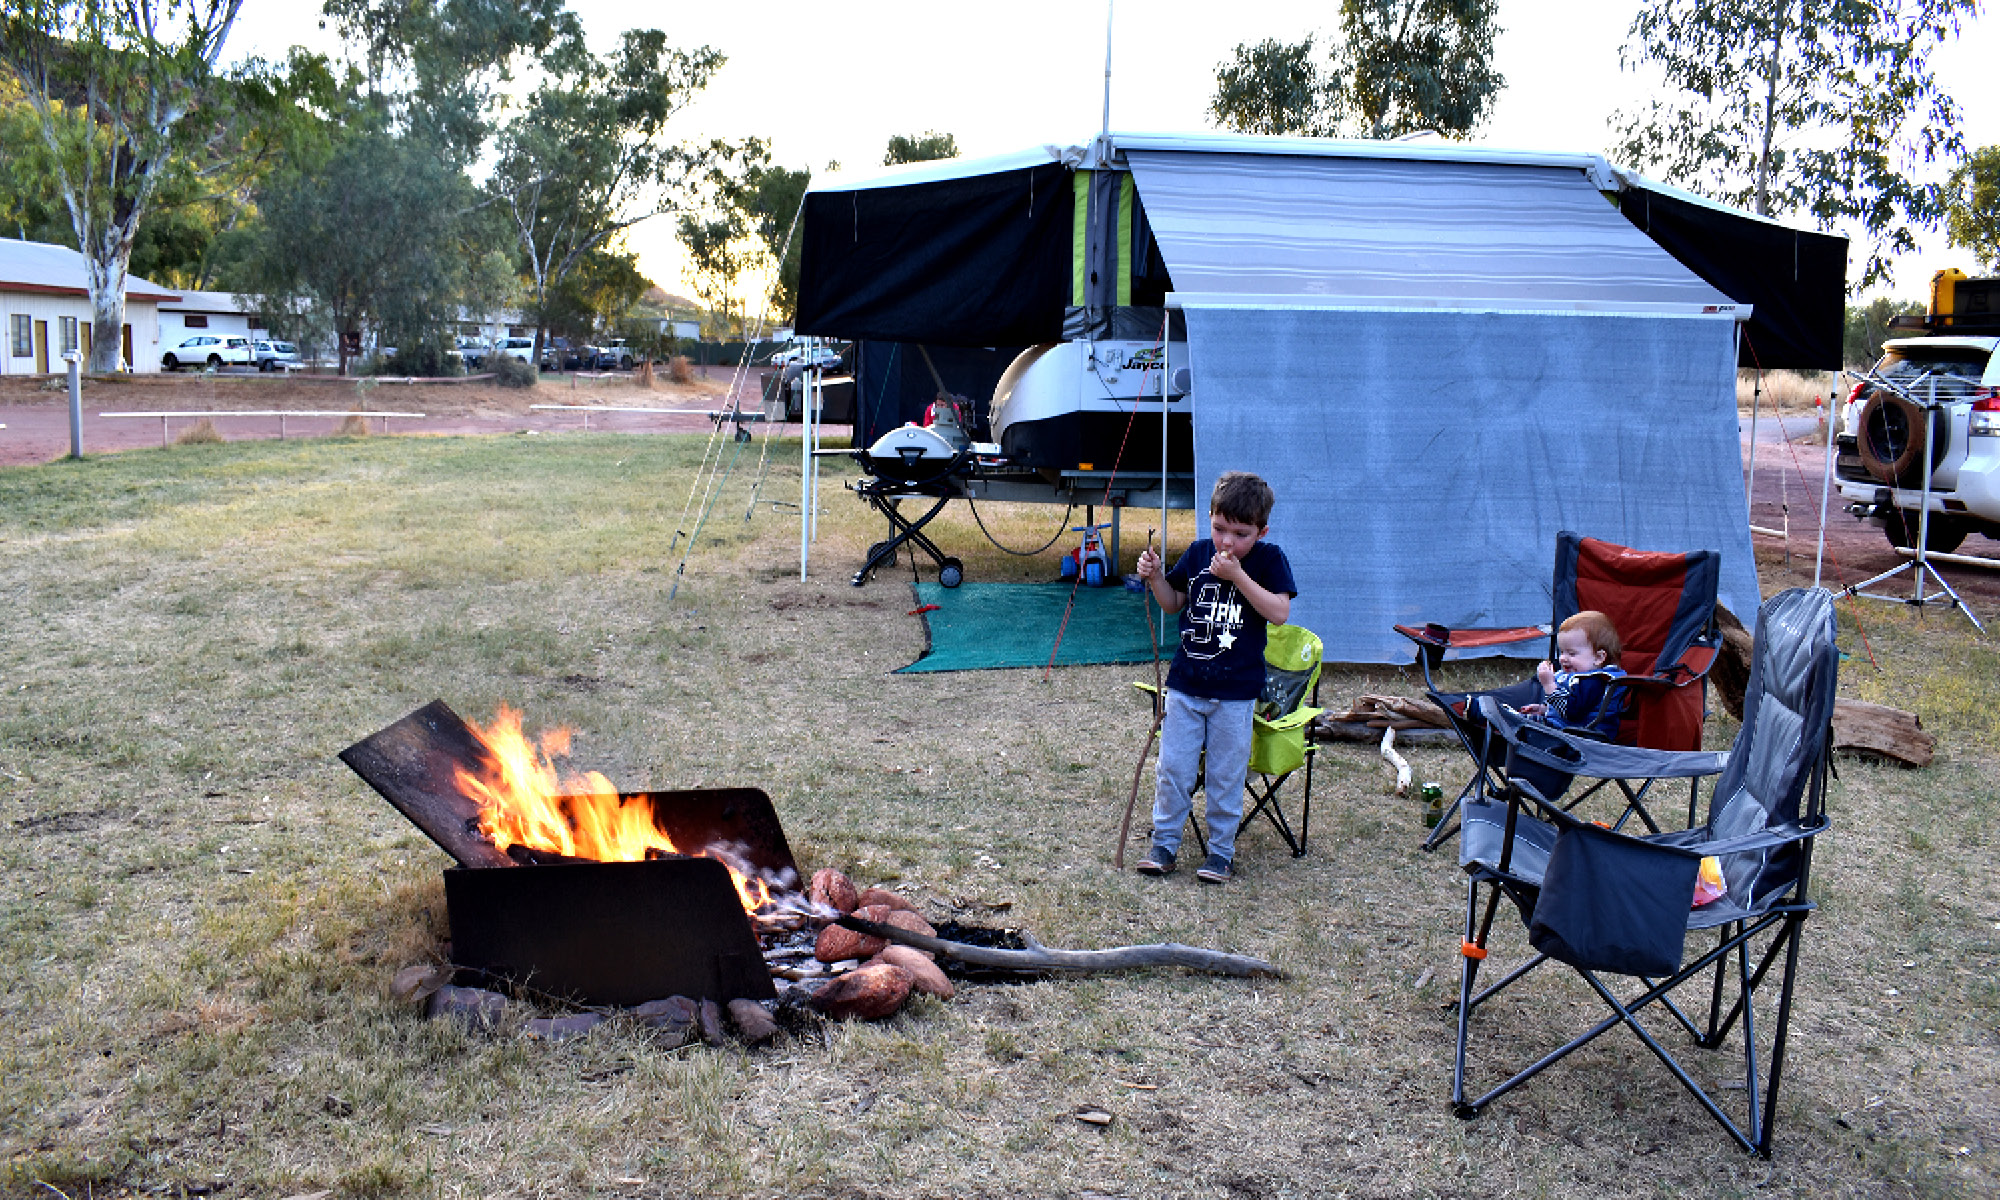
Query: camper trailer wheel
x,y
951,572
875,551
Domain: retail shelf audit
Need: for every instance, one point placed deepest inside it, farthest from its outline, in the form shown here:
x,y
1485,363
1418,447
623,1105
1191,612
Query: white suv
x,y
209,350
1880,441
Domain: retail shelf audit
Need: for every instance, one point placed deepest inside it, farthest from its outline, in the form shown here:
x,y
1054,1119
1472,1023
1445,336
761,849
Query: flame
x,y
526,800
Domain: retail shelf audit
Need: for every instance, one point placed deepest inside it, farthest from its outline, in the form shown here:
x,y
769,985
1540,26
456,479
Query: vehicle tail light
x,y
1985,417
1854,393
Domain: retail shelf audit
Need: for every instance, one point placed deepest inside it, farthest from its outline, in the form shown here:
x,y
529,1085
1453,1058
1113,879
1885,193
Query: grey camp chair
x,y
1604,903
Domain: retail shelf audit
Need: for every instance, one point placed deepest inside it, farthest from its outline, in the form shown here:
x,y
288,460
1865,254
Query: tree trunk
x,y
1038,957
1773,70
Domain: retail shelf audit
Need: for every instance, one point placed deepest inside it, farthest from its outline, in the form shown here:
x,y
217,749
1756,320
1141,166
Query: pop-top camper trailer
x,y
1439,354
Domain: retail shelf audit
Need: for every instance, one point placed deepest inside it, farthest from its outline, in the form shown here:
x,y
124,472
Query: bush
x,y
201,433
679,369
426,359
353,425
512,372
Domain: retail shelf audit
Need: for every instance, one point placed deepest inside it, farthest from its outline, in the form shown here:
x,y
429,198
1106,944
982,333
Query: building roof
x,y
205,302
60,271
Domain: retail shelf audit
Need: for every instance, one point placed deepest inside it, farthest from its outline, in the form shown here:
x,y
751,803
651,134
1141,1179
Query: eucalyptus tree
x,y
1973,218
588,155
928,146
1827,108
118,89
1397,67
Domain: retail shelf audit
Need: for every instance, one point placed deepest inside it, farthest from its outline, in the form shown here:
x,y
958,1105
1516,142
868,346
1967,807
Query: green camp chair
x,y
1279,747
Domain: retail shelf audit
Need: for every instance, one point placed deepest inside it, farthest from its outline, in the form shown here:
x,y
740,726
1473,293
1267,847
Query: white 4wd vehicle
x,y
1880,442
209,350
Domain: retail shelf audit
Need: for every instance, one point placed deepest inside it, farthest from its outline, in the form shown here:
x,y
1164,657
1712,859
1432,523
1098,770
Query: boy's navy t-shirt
x,y
1221,655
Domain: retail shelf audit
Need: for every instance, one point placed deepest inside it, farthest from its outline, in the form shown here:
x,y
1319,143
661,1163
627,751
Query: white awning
x,y
1292,231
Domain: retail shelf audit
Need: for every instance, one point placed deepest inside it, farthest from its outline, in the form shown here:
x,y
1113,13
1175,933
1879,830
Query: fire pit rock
x,y
867,994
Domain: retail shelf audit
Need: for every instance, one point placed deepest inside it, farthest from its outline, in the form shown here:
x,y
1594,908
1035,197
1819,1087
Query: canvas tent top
x,y
984,252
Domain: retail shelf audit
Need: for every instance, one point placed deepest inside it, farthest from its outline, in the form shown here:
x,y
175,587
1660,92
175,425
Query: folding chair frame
x,y
1781,916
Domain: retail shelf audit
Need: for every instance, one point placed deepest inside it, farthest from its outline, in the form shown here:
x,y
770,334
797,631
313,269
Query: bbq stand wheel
x,y
951,573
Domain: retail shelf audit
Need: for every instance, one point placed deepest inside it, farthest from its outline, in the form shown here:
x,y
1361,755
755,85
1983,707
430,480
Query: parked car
x,y
274,355
821,356
208,350
472,352
1879,441
614,356
519,348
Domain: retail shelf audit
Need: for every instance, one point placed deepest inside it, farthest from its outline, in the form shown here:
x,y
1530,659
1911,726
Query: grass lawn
x,y
201,907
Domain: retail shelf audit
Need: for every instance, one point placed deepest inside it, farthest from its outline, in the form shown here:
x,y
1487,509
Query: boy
x,y
1227,587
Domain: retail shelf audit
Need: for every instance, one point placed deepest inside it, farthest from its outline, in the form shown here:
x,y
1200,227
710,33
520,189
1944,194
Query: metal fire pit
x,y
594,932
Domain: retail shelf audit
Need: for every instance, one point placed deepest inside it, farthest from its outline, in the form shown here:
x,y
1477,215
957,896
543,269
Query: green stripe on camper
x,y
1079,250
1128,199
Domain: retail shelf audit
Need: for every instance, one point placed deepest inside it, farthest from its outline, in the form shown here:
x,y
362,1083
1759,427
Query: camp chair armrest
x,y
1763,839
1302,715
1444,637
1565,751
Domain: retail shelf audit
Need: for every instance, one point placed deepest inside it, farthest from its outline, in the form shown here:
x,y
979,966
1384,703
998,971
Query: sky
x,y
833,80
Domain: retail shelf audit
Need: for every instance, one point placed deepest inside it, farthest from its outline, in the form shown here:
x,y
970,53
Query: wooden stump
x,y
1879,729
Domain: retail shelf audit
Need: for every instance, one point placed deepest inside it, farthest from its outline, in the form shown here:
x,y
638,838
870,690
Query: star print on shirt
x,y
1226,640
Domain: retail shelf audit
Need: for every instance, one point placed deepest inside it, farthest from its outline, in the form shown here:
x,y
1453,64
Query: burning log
x,y
1038,957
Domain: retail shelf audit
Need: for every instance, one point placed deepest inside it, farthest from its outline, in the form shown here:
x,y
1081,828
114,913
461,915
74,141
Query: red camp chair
x,y
1663,605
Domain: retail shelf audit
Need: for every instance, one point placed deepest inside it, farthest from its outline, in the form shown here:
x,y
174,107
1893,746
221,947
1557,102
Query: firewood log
x,y
1038,957
1879,729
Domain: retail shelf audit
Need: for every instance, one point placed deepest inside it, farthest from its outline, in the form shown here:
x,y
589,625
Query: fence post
x,y
75,402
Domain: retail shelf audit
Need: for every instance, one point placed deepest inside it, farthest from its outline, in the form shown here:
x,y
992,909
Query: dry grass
x,y
201,433
200,907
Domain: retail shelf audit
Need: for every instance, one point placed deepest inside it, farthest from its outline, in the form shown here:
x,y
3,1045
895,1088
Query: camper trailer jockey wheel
x,y
951,573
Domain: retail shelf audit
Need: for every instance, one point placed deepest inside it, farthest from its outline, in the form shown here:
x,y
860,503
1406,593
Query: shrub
x,y
201,433
354,425
679,369
427,359
512,372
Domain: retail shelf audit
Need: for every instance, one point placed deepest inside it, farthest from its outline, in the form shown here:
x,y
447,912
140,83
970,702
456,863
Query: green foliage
x,y
1973,216
750,224
1269,88
1867,328
113,85
511,372
920,147
599,290
1398,67
445,61
386,233
1822,107
588,156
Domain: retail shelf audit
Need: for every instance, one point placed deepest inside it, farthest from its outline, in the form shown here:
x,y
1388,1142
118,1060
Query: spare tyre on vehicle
x,y
1890,438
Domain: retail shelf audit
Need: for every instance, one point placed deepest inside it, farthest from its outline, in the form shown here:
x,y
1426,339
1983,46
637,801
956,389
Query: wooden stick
x,y
1038,957
1396,760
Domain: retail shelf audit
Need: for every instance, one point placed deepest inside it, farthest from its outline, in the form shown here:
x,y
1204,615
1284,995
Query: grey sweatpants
x,y
1192,723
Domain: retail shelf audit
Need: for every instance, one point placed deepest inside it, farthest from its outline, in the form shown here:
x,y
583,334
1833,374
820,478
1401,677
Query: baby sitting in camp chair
x,y
1577,692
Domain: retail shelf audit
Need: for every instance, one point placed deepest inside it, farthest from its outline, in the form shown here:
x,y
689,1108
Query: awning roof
x,y
1290,231
981,252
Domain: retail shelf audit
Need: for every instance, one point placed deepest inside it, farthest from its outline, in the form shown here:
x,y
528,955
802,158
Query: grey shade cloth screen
x,y
1344,231
1425,461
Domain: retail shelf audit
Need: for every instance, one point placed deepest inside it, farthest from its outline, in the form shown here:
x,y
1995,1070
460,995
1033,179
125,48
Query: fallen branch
x,y
1396,760
1038,957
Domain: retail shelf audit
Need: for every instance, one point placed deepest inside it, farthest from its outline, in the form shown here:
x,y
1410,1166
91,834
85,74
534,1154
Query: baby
x,y
1575,691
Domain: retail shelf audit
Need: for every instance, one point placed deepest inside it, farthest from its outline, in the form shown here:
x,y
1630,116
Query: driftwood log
x,y
1325,730
1038,957
1879,729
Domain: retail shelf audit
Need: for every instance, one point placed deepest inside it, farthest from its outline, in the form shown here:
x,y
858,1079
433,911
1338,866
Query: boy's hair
x,y
1598,628
1244,497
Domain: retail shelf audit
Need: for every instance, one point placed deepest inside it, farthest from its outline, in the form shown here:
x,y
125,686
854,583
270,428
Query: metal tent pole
x,y
1826,480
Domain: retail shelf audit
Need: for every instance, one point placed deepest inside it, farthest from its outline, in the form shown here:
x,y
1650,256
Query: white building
x,y
222,313
45,311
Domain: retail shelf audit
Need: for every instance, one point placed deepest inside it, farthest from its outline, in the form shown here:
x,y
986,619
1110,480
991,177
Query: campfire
x,y
671,905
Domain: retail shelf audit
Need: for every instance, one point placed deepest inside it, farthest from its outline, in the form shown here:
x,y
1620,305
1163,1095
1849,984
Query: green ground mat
x,y
978,626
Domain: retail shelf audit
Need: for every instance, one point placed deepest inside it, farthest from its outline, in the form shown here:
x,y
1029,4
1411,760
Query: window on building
x,y
68,336
256,322
21,335
194,321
